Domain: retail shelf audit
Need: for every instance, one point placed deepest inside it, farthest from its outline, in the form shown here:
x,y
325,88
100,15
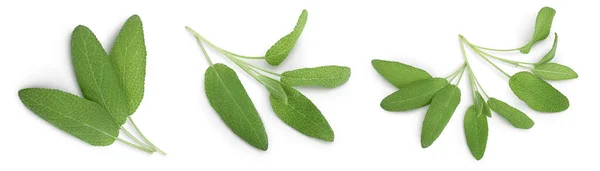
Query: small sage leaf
x,y
537,93
301,114
543,23
280,50
399,74
440,111
229,99
554,71
480,103
413,96
79,117
550,55
274,88
476,132
323,76
517,118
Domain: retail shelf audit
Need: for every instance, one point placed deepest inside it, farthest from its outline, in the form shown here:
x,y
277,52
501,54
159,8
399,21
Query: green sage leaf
x,y
414,95
301,114
79,117
280,50
95,74
481,104
323,76
227,96
128,55
399,74
554,71
274,87
476,132
550,55
517,118
440,111
537,93
543,23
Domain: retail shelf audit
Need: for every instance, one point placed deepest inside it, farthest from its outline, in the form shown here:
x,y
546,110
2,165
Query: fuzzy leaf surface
x,y
399,74
282,48
440,111
323,76
517,118
413,96
537,93
476,132
554,71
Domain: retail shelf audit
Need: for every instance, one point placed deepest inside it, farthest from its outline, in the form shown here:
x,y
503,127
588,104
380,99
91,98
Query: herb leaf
x,y
79,117
439,113
128,55
280,50
414,95
543,23
301,114
550,55
517,118
399,74
485,109
274,87
537,93
227,96
95,74
554,71
323,76
476,132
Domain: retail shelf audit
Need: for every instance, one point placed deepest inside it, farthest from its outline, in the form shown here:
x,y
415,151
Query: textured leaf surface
x,y
323,76
128,55
95,74
399,74
554,71
543,23
79,117
476,132
301,114
227,96
517,118
281,49
274,88
485,109
413,96
550,55
537,93
440,111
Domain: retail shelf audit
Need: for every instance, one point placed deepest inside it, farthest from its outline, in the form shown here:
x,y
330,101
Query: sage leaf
x,y
79,117
274,88
414,95
537,93
554,71
323,76
440,111
481,104
517,118
280,50
95,74
478,102
550,55
229,99
543,23
128,55
399,74
301,114
476,132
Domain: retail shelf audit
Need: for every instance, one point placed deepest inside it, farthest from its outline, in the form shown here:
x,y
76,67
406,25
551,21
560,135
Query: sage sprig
x,y
418,89
230,100
112,86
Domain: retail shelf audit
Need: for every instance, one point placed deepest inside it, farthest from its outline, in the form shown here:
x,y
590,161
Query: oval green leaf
x,y
517,118
554,71
96,75
323,76
79,117
537,93
413,96
128,55
227,96
280,50
440,111
301,114
274,87
399,74
550,55
476,132
543,23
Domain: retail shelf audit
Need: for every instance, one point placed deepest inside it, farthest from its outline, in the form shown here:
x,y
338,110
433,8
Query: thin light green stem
x,y
135,146
144,137
453,75
501,59
498,50
483,56
480,87
198,36
134,138
199,39
461,75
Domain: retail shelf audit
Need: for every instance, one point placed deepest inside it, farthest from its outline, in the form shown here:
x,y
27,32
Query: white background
x,y
175,114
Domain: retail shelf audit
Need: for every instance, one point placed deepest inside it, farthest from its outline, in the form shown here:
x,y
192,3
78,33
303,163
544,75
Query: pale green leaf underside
x,y
476,132
280,50
537,93
413,96
554,71
79,117
517,118
323,76
550,55
543,23
440,111
229,99
301,114
128,55
399,74
96,75
274,87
